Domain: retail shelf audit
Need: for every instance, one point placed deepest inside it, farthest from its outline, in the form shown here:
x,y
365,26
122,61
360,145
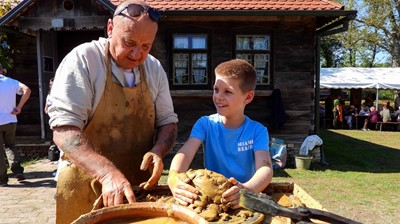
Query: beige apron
x,y
122,130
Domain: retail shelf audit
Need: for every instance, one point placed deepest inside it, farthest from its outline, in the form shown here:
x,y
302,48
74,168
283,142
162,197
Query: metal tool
x,y
265,204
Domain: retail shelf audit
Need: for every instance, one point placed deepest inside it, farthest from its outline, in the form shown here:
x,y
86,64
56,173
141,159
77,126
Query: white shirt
x,y
80,81
8,89
130,77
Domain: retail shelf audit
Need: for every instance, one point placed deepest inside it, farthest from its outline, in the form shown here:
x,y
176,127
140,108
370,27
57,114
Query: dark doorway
x,y
67,40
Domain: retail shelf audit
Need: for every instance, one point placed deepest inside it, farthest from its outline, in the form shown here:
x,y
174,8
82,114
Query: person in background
x,y
234,145
48,101
337,101
53,149
397,102
389,107
364,111
348,115
112,115
385,114
337,111
373,117
336,116
9,88
369,101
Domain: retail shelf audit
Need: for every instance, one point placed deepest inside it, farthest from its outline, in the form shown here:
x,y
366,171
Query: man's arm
x,y
26,92
166,136
80,152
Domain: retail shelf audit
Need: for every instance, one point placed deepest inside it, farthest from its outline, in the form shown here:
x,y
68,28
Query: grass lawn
x,y
362,180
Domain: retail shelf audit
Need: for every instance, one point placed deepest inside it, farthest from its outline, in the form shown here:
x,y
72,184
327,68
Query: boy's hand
x,y
183,192
231,196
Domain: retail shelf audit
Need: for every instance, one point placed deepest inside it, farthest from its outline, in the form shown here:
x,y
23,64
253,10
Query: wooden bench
x,y
381,123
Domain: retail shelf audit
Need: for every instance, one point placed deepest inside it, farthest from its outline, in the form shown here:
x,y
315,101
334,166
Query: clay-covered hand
x,y
115,187
231,196
155,165
183,192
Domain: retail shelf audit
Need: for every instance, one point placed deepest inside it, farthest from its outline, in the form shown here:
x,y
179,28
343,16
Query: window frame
x,y
261,31
190,52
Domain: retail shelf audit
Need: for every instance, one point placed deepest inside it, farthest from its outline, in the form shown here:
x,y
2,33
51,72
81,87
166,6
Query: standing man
x,y
397,102
111,114
337,111
8,124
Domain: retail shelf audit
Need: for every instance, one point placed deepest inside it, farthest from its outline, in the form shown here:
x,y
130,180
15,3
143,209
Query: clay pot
x,y
140,210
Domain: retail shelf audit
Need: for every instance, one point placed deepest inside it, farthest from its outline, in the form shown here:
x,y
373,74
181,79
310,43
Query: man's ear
x,y
110,27
249,97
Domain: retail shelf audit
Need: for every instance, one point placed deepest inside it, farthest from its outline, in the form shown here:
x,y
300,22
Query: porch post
x,y
40,82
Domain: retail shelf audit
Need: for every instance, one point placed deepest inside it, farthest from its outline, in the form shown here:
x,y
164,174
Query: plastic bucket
x,y
303,162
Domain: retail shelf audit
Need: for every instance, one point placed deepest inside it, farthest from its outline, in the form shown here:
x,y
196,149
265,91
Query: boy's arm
x,y
257,183
264,172
184,193
185,155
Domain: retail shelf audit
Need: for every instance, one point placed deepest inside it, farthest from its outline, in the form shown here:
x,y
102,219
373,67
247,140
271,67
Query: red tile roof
x,y
273,5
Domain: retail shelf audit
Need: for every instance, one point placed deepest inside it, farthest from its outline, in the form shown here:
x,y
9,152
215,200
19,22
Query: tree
x,y
374,31
351,42
6,50
384,18
331,53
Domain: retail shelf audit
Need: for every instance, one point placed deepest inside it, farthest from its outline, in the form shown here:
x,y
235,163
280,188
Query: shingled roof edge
x,y
334,3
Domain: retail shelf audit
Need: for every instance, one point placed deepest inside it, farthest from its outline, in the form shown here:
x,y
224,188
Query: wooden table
x,y
381,123
359,116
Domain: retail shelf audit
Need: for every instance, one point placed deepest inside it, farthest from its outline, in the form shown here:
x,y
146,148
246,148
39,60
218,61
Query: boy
x,y
234,145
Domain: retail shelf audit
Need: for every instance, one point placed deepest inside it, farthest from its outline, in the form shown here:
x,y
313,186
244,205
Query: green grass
x,y
30,161
362,180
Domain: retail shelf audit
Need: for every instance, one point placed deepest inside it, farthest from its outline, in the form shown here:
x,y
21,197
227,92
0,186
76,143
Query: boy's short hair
x,y
240,70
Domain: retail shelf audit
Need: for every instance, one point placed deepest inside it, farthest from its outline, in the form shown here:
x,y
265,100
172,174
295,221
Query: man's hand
x,y
184,193
154,163
231,196
16,111
114,188
78,149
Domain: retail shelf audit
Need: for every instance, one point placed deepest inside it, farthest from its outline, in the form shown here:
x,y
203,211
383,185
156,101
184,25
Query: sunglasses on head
x,y
135,10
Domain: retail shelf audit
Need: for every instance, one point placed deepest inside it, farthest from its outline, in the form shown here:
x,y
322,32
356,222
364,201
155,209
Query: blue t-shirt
x,y
231,151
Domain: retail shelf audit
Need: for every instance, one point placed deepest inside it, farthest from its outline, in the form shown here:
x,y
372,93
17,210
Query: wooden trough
x,y
286,194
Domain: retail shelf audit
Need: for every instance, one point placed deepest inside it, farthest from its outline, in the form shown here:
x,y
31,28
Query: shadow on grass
x,y
345,153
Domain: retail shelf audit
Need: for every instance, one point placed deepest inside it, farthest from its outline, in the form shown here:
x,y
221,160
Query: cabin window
x,y
190,59
256,50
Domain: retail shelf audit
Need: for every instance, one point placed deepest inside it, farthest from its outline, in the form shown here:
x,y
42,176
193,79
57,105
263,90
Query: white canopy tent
x,y
364,78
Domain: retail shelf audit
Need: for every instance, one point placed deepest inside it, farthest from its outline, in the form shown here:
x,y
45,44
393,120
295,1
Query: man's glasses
x,y
135,10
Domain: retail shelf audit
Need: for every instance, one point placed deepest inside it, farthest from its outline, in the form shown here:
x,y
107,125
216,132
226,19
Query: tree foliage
x,y
331,52
384,18
6,50
374,32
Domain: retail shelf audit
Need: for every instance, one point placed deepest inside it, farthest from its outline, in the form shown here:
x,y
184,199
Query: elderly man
x,y
112,115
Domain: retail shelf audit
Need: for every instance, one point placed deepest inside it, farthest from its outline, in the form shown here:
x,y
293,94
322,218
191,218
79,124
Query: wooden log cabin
x,y
280,38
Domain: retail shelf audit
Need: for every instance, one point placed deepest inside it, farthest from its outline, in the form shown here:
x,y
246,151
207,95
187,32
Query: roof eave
x,y
338,25
107,5
12,14
317,13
